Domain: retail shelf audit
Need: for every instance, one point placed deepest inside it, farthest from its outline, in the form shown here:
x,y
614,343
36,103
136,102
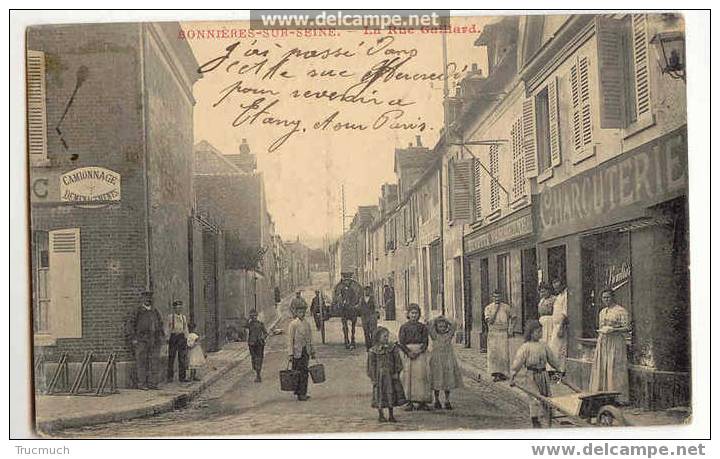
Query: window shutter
x,y
528,134
494,170
518,163
554,122
584,74
462,191
65,293
36,110
640,54
478,188
611,74
581,114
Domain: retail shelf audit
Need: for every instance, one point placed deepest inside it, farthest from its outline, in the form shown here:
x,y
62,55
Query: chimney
x,y
418,141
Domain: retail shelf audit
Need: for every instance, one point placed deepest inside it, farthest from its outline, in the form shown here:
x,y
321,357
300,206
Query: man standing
x,y
146,334
316,309
389,302
500,320
256,343
368,314
300,349
177,331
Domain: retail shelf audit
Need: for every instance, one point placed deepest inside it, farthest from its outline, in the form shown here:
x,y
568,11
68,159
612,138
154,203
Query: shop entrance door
x,y
529,286
557,264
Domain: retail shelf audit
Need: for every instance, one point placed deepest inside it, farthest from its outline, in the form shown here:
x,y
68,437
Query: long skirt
x,y
538,382
416,376
445,371
559,345
610,366
498,352
196,357
388,392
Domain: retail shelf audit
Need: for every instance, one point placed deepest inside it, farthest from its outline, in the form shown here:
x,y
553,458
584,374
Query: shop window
x,y
606,263
503,277
557,264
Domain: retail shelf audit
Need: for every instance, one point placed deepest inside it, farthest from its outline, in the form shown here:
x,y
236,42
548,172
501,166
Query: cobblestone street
x,y
238,406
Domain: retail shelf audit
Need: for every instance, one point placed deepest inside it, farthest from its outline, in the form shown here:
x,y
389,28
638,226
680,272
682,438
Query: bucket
x,y
289,380
317,373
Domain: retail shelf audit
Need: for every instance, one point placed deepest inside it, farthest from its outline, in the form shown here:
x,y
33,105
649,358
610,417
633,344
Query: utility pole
x,y
342,194
446,92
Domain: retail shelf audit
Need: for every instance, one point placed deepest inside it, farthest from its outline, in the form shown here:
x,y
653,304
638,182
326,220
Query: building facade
x,y
110,134
567,161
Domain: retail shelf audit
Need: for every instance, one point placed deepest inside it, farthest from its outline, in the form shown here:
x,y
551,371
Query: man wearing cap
x,y
300,348
177,331
146,334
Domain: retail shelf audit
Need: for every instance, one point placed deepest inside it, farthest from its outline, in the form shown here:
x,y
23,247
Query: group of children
x,y
406,373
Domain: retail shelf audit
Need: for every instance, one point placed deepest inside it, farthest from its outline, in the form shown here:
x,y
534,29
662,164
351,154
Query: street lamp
x,y
672,47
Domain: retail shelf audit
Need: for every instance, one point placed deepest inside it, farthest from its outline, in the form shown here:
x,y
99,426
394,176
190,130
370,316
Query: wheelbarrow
x,y
600,409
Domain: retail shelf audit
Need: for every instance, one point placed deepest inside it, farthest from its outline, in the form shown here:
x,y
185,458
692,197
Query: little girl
x,y
383,368
445,372
196,355
534,356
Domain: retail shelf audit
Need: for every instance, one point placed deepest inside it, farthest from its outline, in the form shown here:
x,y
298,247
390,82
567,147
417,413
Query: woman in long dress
x,y
445,374
545,310
413,340
499,318
558,342
610,365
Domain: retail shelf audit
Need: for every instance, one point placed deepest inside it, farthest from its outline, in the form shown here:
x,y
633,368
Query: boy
x,y
256,343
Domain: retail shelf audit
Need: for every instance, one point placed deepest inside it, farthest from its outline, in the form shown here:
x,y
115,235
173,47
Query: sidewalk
x,y
57,412
473,364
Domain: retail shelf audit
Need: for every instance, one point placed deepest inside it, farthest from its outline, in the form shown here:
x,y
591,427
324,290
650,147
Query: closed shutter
x,y
611,72
518,163
463,190
477,183
494,170
580,92
554,122
640,58
65,282
36,110
529,138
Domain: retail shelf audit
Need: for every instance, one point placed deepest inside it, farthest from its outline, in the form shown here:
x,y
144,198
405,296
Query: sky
x,y
310,144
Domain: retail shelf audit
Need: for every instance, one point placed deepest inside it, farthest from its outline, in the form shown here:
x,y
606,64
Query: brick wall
x,y
103,127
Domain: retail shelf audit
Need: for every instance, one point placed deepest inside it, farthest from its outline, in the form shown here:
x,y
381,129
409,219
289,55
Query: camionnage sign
x,y
90,186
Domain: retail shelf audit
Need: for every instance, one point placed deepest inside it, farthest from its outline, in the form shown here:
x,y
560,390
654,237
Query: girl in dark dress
x,y
383,368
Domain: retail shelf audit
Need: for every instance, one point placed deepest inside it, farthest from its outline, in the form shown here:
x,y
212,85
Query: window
x,y
57,294
503,276
542,125
623,73
41,290
36,108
